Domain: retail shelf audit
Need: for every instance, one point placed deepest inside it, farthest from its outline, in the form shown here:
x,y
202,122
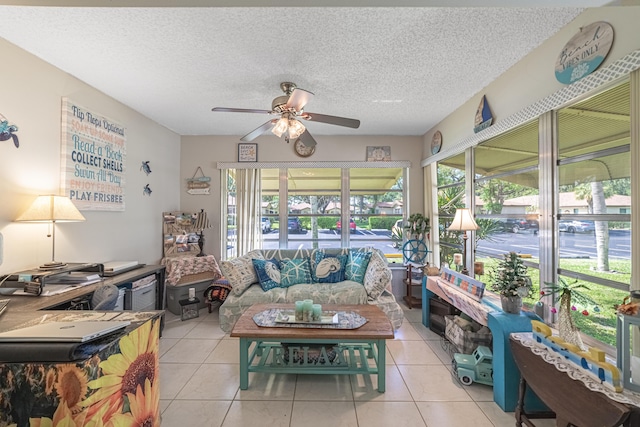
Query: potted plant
x,y
417,226
510,280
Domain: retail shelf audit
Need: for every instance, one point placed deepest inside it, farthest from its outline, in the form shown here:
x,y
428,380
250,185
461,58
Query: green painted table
x,y
314,350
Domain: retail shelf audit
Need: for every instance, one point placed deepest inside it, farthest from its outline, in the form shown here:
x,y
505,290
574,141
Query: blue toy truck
x,y
477,366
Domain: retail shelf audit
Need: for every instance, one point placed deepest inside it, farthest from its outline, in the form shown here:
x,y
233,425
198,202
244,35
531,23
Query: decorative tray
x,y
289,316
272,318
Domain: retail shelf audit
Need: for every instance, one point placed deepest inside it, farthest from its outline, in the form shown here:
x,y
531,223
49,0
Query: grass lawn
x,y
599,325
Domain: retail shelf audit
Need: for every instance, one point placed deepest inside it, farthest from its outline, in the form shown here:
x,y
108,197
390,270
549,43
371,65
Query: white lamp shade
x,y
51,209
463,221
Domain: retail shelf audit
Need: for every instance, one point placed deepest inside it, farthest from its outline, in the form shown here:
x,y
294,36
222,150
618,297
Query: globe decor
x,y
510,280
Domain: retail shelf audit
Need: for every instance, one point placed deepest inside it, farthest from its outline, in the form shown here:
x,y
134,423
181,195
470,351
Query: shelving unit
x,y
413,278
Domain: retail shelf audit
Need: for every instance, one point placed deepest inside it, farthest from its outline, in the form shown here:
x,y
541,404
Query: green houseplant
x,y
417,226
510,280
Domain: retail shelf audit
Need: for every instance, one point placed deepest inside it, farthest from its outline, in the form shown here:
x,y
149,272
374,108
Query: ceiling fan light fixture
x,y
280,127
295,129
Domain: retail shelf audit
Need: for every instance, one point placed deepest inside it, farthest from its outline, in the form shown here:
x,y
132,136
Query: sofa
x,y
327,276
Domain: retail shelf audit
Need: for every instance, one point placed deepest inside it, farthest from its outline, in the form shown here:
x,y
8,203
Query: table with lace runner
x,y
574,396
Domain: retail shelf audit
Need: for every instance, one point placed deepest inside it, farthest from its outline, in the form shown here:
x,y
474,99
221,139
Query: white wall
x,y
533,78
31,99
206,151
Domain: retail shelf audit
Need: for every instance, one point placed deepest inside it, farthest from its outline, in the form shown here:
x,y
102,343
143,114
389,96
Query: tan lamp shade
x,y
463,221
51,209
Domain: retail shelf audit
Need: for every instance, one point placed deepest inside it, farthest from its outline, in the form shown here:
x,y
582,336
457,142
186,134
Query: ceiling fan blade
x,y
239,110
299,98
307,139
332,120
266,127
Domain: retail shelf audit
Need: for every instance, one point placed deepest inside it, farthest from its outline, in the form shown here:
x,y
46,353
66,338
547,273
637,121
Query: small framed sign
x,y
379,154
247,152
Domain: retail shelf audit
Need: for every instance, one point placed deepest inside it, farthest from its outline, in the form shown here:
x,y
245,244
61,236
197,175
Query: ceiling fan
x,y
290,108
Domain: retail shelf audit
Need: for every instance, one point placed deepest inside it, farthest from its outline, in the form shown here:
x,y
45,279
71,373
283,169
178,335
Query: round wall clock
x,y
436,142
302,150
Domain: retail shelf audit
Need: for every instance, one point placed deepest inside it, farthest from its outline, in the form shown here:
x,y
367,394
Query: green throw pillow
x,y
294,271
357,266
268,272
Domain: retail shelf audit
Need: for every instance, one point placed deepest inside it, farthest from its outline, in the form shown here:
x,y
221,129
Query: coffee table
x,y
354,347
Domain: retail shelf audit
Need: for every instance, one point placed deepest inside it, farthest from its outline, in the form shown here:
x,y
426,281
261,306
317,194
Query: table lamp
x,y
202,223
52,209
463,221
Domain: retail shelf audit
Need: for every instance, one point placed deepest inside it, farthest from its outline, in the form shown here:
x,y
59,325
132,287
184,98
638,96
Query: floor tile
x,y
173,377
182,413
190,351
177,328
227,351
166,344
453,414
499,418
365,387
266,386
323,414
412,353
323,387
212,381
413,315
258,413
385,414
207,330
407,333
432,383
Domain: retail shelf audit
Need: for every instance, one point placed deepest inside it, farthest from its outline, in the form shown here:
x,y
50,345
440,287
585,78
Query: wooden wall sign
x,y
198,184
584,53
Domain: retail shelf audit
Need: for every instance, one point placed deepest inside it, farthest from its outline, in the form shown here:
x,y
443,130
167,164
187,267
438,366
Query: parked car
x,y
266,225
294,225
575,226
477,366
352,226
513,225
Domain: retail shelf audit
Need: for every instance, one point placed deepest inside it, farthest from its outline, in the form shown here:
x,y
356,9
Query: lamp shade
x,y
51,209
463,221
202,222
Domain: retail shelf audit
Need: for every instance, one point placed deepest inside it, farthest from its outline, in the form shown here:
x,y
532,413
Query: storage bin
x,y
142,298
177,293
468,336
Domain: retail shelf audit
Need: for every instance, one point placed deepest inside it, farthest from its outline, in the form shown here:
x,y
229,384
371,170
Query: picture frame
x,y
379,153
247,152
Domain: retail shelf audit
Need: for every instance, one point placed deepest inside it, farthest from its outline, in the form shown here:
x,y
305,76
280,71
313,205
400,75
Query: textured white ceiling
x,y
398,70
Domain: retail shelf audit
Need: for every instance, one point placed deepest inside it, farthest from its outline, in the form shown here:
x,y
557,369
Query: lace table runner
x,y
563,365
346,320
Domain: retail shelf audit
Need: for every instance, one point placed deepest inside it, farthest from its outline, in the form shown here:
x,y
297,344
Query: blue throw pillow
x,y
295,271
328,268
268,272
357,266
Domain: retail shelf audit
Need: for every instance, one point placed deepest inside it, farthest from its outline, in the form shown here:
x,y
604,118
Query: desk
x,y
34,303
572,402
89,391
488,313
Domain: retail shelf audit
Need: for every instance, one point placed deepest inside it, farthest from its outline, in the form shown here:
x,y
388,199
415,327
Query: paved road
x,y
571,245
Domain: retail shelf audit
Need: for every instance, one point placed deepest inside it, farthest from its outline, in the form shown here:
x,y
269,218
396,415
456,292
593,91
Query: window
x,y
451,187
307,207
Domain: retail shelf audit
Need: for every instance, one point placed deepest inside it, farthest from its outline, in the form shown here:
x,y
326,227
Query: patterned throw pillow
x,y
268,272
328,268
378,275
240,272
294,271
357,266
